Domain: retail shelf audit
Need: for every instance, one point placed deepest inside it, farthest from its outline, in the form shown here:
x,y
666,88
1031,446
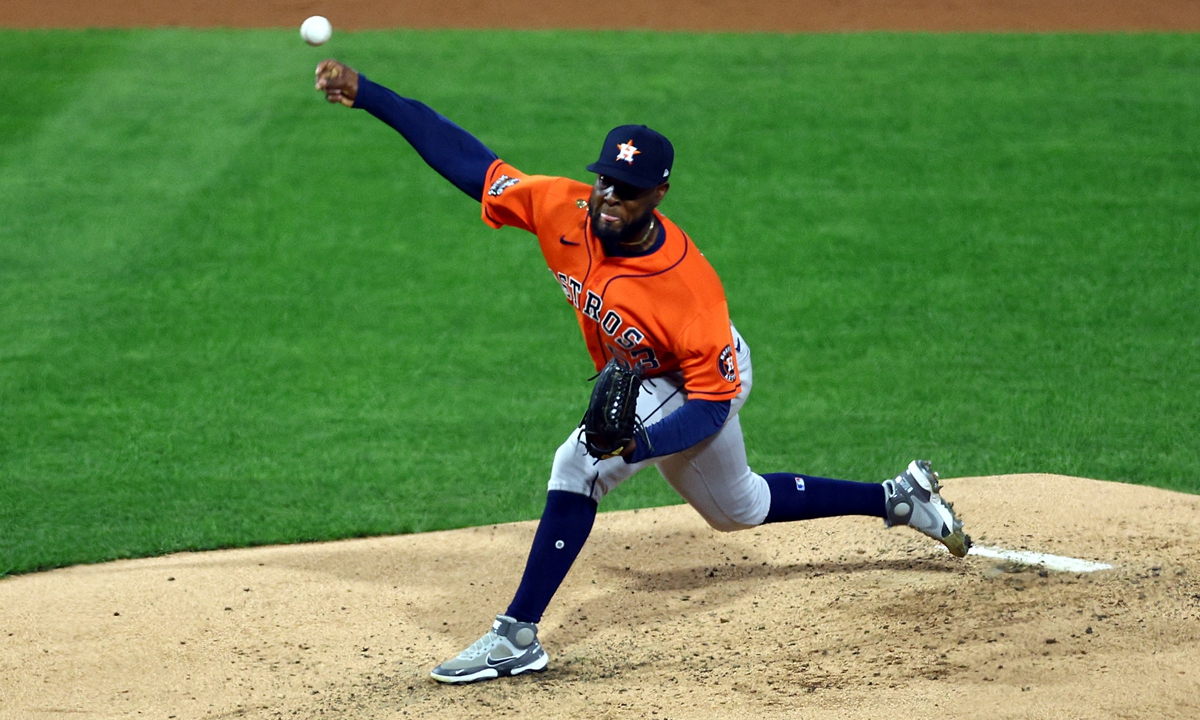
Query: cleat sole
x,y
957,543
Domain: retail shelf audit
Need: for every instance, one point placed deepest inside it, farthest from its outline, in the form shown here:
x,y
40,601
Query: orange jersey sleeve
x,y
706,356
509,197
512,198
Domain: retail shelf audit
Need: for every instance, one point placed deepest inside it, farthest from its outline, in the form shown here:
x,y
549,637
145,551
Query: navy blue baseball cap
x,y
637,155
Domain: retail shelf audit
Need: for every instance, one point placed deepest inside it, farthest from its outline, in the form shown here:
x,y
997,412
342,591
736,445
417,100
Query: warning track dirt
x,y
715,15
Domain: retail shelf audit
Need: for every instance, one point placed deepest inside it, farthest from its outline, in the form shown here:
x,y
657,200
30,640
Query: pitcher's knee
x,y
727,524
744,506
572,471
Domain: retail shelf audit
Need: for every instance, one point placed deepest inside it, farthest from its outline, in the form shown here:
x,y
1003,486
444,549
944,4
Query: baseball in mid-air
x,y
316,30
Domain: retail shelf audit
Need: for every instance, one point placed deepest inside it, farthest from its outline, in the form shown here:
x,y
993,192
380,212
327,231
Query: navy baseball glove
x,y
611,423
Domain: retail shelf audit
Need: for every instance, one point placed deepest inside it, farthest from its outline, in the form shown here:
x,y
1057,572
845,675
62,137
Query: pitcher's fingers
x,y
327,69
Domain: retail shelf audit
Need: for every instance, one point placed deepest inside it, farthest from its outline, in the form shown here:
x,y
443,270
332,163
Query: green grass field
x,y
231,314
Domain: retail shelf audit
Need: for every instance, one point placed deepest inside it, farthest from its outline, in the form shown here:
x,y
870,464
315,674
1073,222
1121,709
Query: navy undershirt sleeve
x,y
454,153
696,421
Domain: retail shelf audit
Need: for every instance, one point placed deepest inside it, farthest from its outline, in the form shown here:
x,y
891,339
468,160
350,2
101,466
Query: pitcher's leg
x,y
564,528
731,498
714,478
806,497
511,647
577,484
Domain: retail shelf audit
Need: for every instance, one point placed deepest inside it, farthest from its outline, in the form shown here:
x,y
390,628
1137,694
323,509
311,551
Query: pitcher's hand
x,y
339,82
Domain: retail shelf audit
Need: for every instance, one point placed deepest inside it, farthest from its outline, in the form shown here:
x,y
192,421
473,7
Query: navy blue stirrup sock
x,y
564,528
803,497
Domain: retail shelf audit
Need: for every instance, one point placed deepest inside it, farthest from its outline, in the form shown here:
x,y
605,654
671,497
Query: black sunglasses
x,y
623,190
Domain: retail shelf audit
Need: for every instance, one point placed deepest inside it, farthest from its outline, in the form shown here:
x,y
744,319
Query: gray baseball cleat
x,y
509,648
913,499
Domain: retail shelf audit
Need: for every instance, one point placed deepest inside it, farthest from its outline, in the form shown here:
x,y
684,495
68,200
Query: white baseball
x,y
316,30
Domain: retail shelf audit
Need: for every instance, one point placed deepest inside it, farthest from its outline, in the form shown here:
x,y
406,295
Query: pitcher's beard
x,y
613,240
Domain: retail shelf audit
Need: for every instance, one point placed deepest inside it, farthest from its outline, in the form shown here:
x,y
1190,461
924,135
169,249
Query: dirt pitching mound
x,y
661,618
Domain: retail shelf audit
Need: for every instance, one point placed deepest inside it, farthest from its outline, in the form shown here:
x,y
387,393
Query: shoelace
x,y
484,643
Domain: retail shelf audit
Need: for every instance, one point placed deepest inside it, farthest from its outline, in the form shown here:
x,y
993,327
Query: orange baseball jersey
x,y
665,311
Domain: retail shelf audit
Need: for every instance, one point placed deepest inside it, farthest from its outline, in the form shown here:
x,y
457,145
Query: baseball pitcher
x,y
674,370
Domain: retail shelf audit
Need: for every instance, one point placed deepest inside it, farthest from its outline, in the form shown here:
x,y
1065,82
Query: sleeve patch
x,y
725,364
501,184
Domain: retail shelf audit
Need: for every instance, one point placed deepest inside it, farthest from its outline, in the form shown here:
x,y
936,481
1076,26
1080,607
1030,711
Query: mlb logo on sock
x,y
799,484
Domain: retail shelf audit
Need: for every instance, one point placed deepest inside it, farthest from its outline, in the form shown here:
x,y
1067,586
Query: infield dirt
x,y
662,617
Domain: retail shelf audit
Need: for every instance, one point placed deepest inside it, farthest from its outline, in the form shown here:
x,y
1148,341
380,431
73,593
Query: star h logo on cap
x,y
627,151
652,150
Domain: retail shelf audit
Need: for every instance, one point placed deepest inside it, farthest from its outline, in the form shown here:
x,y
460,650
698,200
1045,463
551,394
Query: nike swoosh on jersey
x,y
565,241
